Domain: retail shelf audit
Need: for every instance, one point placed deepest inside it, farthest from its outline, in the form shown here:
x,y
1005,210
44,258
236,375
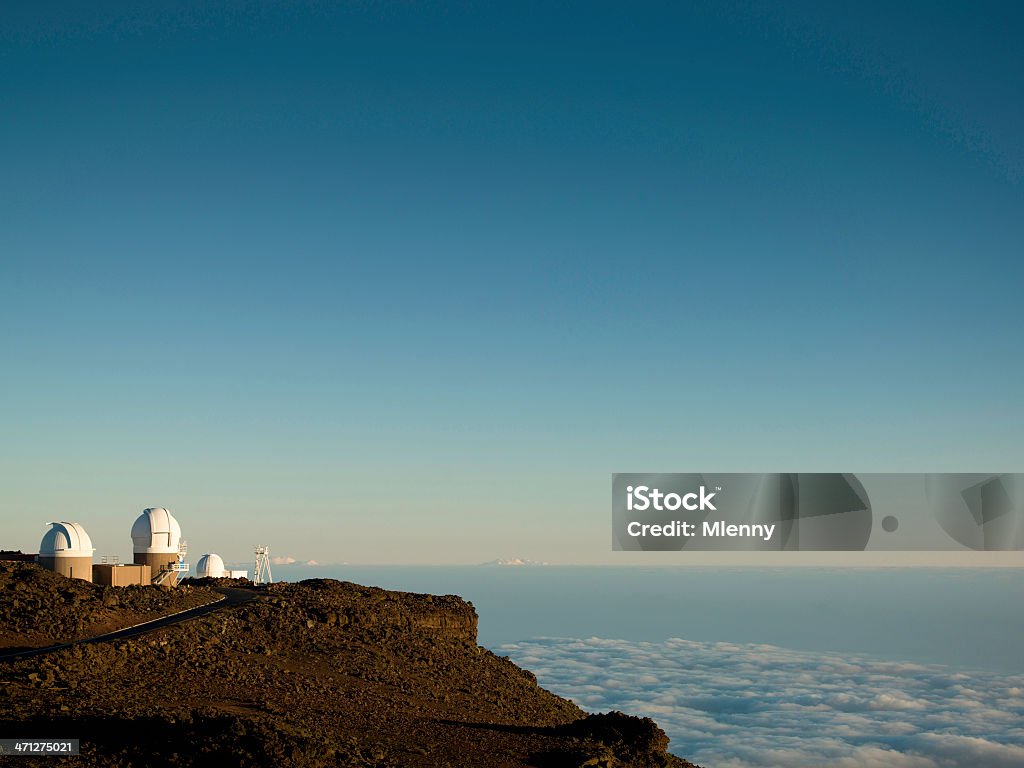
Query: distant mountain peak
x,y
514,561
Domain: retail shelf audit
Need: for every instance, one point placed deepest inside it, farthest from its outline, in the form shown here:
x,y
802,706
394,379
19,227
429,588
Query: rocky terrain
x,y
317,673
39,607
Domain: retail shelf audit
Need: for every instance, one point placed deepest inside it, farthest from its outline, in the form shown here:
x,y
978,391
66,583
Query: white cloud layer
x,y
726,705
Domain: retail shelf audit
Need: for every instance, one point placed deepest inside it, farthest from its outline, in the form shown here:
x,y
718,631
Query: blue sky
x,y
406,284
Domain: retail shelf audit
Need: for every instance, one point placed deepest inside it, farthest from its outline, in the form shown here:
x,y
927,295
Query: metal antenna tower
x,y
261,570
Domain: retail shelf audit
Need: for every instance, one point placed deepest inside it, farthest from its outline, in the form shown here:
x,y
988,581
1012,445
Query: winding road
x,y
230,596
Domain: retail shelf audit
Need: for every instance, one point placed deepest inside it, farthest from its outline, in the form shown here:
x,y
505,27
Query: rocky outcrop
x,y
374,611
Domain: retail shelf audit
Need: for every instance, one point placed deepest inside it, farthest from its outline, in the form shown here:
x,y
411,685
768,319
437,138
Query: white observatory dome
x,y
155,532
66,539
211,565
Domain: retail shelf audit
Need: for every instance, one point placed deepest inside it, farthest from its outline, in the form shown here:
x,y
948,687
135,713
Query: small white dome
x,y
156,532
211,565
66,539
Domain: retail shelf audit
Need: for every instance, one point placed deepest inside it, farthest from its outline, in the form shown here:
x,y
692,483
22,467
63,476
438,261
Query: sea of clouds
x,y
726,705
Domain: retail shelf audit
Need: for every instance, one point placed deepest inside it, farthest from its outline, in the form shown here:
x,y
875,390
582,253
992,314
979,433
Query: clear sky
x,y
379,282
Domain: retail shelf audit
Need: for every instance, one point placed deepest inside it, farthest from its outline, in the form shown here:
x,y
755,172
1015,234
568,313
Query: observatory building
x,y
156,539
212,566
67,549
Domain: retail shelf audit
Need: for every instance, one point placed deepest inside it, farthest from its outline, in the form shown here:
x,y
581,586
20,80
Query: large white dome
x,y
156,532
211,565
66,539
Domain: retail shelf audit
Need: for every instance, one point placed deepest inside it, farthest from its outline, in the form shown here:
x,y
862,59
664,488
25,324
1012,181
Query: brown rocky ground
x,y
39,607
318,673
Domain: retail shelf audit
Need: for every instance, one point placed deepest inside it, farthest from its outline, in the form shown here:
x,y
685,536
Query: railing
x,y
161,577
